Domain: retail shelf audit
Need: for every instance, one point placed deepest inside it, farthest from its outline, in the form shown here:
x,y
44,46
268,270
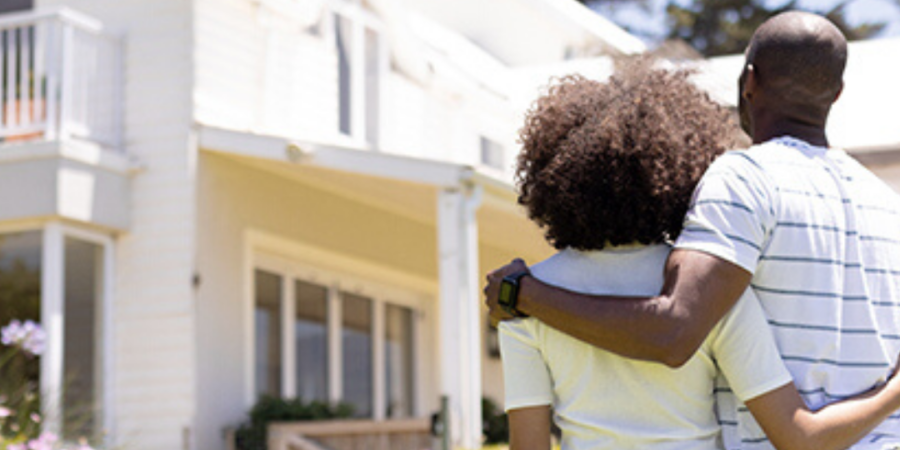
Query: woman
x,y
608,169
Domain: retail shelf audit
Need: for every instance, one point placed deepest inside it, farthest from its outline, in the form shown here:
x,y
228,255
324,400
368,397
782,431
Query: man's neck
x,y
811,133
814,136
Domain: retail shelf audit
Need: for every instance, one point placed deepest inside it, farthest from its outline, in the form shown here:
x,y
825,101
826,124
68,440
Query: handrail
x,y
68,15
349,434
348,427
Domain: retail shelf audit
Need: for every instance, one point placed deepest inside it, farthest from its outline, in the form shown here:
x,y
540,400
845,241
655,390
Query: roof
x,y
525,32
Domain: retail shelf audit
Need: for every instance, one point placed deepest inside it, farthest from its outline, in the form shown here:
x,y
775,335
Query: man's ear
x,y
750,82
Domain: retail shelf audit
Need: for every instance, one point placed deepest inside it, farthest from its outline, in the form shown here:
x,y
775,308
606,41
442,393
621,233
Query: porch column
x,y
460,321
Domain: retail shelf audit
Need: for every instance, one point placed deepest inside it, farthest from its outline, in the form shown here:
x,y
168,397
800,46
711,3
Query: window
x,y
267,318
398,366
62,272
361,60
491,153
83,284
311,337
354,346
356,341
15,5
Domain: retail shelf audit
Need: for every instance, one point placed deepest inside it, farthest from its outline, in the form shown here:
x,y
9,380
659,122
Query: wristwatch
x,y
509,293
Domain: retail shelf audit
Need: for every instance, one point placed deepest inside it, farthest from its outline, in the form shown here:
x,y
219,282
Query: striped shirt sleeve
x,y
731,213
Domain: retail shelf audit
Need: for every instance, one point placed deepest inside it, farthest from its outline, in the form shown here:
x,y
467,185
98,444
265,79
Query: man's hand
x,y
492,289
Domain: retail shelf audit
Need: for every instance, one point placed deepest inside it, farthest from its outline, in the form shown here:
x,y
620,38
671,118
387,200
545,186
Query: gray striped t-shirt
x,y
821,236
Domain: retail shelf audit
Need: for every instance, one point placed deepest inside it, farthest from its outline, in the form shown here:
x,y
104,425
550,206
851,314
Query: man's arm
x,y
699,289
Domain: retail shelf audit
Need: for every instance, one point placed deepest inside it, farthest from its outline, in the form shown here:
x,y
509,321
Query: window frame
x,y
336,282
360,20
53,237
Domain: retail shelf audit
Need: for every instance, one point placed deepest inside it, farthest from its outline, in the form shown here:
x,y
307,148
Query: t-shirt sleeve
x,y
745,350
526,376
731,212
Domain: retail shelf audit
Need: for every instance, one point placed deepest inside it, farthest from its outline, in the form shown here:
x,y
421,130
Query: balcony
x,y
60,80
61,146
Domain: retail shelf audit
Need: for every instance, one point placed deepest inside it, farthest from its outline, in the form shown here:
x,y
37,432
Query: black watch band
x,y
509,293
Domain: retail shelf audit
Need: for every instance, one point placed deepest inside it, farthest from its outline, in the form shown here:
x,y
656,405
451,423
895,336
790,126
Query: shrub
x,y
495,422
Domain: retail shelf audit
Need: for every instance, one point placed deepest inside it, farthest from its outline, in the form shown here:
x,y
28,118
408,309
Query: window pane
x,y
20,299
373,80
81,355
343,40
356,337
268,334
20,277
398,355
311,336
491,153
15,5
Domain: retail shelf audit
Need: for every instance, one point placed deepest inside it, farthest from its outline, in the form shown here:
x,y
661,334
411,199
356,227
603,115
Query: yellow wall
x,y
234,197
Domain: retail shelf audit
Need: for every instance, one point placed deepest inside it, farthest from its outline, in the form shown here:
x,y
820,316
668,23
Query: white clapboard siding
x,y
153,325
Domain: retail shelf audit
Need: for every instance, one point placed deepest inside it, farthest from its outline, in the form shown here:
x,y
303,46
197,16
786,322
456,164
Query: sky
x,y
858,11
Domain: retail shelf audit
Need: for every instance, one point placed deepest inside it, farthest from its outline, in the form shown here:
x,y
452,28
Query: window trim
x,y
292,261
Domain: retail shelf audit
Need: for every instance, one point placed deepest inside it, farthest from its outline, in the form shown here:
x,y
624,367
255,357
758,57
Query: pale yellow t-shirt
x,y
604,401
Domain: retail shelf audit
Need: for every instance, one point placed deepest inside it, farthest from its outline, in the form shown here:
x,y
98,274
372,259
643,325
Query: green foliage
x,y
19,395
495,422
252,435
19,372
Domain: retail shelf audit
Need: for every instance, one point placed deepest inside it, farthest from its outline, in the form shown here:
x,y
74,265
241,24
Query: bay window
x,y
60,277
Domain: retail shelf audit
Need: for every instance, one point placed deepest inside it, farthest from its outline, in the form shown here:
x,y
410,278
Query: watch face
x,y
506,290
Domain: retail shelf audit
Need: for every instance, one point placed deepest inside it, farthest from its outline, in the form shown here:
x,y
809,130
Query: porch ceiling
x,y
502,224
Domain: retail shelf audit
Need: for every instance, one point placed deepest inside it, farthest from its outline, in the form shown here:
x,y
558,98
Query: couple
x,y
608,170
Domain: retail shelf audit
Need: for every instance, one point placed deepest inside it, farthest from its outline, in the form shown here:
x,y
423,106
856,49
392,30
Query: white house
x,y
208,200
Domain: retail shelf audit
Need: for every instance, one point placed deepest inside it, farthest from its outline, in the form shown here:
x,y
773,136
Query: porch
x,y
351,276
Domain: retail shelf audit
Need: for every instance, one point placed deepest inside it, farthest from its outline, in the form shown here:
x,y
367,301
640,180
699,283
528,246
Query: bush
x,y
495,422
252,435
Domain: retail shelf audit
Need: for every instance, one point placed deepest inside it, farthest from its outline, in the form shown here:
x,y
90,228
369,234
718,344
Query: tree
x,y
719,27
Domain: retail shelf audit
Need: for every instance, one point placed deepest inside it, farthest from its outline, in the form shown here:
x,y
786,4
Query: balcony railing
x,y
60,79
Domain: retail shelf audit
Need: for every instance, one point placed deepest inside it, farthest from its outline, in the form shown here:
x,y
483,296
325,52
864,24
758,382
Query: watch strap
x,y
509,293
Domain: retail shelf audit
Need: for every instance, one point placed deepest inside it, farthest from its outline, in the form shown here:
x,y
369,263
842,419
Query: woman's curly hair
x,y
616,163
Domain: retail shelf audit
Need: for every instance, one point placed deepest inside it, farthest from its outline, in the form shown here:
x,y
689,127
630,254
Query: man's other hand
x,y
492,289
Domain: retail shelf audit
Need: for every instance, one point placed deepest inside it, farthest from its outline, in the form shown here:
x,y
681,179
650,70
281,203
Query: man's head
x,y
615,163
794,67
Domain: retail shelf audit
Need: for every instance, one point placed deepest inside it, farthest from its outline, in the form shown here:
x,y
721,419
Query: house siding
x,y
257,73
154,363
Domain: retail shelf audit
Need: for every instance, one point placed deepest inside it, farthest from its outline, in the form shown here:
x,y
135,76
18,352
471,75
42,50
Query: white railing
x,y
60,78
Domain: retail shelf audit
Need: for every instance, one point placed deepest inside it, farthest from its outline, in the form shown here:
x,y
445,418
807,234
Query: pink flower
x,y
16,447
5,412
29,336
44,442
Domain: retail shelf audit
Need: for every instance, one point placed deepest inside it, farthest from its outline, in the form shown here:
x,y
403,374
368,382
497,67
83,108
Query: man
x,y
815,234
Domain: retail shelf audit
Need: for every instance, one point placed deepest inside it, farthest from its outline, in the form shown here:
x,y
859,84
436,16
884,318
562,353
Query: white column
x,y
460,333
52,314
